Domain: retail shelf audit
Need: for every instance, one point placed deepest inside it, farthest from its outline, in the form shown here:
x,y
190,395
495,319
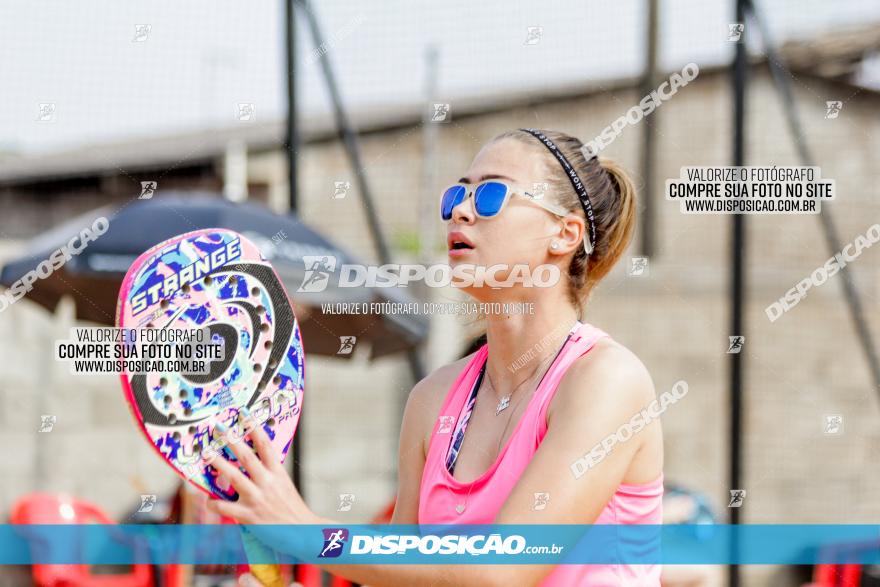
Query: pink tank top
x,y
445,500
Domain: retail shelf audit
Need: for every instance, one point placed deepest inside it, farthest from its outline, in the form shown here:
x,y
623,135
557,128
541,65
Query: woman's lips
x,y
459,252
458,244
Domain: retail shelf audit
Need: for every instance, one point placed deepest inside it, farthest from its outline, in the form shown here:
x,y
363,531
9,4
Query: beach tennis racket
x,y
216,281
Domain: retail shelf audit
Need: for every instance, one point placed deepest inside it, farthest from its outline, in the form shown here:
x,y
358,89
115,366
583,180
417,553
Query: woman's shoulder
x,y
428,395
608,372
431,390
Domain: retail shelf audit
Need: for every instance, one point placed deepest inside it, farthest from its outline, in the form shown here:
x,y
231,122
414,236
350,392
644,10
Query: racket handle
x,y
267,574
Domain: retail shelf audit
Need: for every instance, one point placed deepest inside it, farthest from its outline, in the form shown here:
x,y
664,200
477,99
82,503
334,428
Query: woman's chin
x,y
480,293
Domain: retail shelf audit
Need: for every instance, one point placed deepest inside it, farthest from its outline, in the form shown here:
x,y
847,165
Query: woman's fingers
x,y
242,484
270,459
246,457
230,509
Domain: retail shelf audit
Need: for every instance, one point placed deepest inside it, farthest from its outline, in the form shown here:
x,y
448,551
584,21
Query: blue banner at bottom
x,y
441,544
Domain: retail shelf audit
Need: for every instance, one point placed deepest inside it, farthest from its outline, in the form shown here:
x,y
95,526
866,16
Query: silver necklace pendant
x,y
502,405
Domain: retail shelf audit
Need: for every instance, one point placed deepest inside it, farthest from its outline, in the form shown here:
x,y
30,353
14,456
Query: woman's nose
x,y
464,211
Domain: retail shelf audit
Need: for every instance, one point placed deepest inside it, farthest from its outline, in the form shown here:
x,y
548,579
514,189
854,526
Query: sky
x,y
200,58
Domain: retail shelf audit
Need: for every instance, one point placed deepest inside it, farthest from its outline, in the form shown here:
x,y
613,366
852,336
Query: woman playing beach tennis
x,y
513,433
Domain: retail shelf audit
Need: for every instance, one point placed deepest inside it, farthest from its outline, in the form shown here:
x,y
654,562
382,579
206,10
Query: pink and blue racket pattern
x,y
217,280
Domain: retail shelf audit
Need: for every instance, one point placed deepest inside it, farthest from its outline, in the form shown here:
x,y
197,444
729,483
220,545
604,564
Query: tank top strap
x,y
453,408
580,343
465,381
454,404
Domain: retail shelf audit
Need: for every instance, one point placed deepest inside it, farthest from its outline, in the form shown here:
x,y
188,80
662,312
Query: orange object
x,y
45,508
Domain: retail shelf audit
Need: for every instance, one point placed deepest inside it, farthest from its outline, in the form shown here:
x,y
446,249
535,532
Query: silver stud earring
x,y
554,245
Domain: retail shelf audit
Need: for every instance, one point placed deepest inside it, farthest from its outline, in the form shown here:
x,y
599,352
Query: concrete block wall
x,y
94,450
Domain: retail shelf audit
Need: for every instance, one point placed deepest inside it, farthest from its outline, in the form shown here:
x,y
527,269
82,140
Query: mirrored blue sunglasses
x,y
490,197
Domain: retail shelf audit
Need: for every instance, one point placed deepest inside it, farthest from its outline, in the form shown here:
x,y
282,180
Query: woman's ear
x,y
570,235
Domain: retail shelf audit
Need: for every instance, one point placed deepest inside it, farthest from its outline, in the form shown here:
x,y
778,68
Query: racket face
x,y
217,280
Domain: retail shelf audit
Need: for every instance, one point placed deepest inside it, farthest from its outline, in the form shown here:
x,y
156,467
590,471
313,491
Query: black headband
x,y
573,177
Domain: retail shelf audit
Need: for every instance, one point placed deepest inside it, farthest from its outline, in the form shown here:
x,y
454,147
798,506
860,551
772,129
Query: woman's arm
x,y
596,398
411,453
269,496
599,392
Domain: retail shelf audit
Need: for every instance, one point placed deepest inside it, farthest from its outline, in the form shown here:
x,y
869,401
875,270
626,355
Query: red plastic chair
x,y
44,508
831,575
844,574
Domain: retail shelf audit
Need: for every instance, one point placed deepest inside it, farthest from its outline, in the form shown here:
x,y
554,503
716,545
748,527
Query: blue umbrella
x,y
94,275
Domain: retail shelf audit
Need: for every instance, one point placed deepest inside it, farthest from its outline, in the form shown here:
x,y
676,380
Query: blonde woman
x,y
480,439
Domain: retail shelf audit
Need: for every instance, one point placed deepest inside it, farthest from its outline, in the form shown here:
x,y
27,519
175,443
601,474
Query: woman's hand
x,y
267,494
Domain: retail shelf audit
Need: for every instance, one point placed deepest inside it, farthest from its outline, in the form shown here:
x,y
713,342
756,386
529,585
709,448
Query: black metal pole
x,y
292,138
349,139
649,152
738,286
292,145
826,218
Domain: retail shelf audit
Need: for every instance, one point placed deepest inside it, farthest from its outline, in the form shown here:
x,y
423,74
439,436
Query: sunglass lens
x,y
452,197
489,197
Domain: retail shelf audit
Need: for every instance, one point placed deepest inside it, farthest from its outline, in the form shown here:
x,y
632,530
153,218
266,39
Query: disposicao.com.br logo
x,y
319,268
451,544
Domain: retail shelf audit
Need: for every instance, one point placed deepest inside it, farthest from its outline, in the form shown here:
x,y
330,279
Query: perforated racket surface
x,y
214,279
